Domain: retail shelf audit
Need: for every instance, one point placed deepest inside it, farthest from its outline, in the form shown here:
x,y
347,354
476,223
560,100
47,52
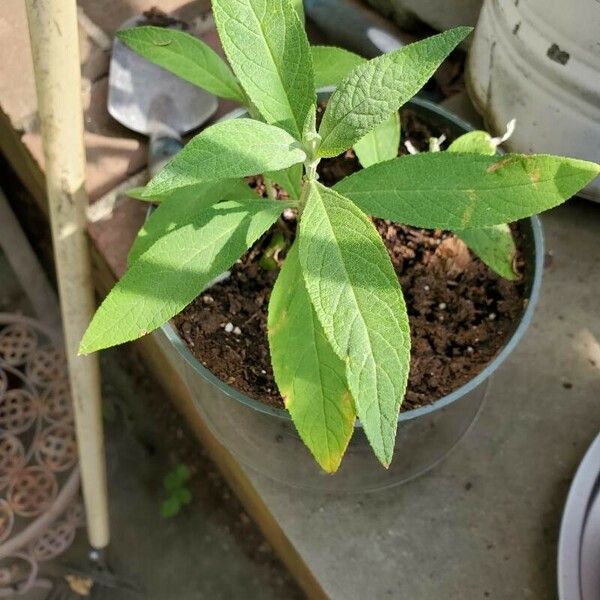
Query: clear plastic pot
x,y
264,439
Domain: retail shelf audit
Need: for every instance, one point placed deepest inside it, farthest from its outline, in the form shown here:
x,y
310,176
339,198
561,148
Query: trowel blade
x,y
146,98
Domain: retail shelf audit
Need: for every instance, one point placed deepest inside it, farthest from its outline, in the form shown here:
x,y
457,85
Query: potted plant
x,y
338,324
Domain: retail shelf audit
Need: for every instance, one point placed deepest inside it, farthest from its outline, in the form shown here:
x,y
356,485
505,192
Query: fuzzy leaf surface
x,y
181,209
479,142
299,8
308,373
175,269
494,245
465,191
230,149
268,50
332,65
381,143
237,189
374,90
289,179
186,56
357,298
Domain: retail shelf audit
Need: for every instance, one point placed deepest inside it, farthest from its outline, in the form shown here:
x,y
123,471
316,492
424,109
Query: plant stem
x,y
303,196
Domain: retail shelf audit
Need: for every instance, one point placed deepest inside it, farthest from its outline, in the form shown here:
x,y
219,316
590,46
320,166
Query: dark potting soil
x,y
461,313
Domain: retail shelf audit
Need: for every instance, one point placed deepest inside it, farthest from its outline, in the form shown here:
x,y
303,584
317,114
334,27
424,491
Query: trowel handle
x,y
162,149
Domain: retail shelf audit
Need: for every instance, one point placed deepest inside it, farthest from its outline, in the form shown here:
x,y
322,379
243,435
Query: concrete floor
x,y
484,523
192,556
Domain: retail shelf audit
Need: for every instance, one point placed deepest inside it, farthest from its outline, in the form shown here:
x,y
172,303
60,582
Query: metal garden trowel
x,y
149,100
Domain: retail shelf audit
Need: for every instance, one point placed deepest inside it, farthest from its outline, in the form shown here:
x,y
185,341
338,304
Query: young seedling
x,y
337,324
178,493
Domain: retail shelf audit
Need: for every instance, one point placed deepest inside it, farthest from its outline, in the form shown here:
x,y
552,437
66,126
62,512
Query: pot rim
x,y
524,322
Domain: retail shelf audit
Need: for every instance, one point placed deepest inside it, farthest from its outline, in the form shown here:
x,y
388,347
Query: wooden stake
x,y
55,51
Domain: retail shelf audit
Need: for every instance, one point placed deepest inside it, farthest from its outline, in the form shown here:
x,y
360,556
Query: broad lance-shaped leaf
x,y
357,298
479,142
381,143
309,375
268,50
289,179
174,270
186,56
235,189
181,209
299,8
465,191
331,65
234,148
495,246
374,90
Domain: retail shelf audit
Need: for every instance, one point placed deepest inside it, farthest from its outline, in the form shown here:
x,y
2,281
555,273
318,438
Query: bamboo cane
x,y
55,51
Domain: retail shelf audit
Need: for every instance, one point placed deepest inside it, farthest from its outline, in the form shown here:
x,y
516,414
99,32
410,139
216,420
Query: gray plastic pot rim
x,y
490,369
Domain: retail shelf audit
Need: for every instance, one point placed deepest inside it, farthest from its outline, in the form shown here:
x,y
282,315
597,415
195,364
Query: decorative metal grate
x,y
39,477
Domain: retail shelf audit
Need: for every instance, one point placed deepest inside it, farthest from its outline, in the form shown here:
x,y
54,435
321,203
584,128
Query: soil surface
x,y
460,312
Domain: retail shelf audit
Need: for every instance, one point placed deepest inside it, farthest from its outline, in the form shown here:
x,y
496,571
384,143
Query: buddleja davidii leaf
x,y
233,189
299,8
186,56
230,149
374,90
176,268
465,191
181,208
381,143
308,373
356,296
268,50
495,246
331,65
479,142
289,179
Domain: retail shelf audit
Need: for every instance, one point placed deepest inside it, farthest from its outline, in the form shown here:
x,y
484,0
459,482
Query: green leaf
x,y
465,191
176,268
183,495
267,47
186,56
181,208
379,144
289,179
183,473
479,142
268,260
332,64
171,481
495,246
234,148
357,298
299,7
374,90
308,373
238,189
139,193
170,507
